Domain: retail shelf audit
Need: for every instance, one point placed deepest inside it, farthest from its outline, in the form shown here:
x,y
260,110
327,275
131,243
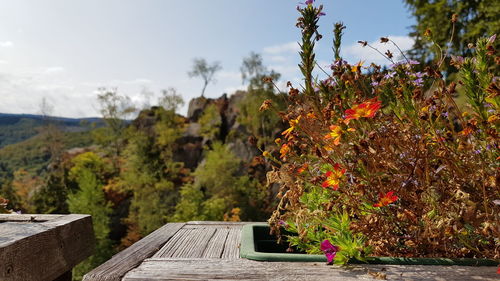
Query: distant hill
x,y
15,128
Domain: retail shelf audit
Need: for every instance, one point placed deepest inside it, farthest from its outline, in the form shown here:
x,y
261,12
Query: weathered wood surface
x,y
155,269
210,251
43,247
27,217
121,263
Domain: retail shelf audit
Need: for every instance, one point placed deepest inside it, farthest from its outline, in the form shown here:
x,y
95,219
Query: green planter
x,y
257,244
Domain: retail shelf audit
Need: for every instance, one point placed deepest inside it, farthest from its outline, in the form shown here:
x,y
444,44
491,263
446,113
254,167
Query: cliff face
x,y
233,134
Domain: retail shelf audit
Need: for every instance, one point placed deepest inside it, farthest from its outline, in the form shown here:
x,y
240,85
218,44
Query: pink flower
x,y
329,250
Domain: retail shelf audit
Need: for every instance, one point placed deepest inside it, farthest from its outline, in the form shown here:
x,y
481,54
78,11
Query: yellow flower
x,y
334,134
357,67
294,123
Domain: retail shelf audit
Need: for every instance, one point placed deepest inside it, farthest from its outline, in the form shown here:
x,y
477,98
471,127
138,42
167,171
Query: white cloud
x,y
290,47
3,62
285,70
6,44
278,59
232,75
54,69
355,52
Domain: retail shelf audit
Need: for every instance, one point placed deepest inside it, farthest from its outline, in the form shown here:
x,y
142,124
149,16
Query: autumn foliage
x,y
384,162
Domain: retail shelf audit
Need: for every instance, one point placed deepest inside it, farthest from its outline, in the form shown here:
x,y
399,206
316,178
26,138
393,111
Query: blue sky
x,y
64,50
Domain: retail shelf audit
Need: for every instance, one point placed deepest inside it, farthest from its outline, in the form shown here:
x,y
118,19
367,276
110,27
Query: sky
x,y
64,51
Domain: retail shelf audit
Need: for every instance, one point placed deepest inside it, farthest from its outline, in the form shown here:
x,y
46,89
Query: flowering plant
x,y
384,161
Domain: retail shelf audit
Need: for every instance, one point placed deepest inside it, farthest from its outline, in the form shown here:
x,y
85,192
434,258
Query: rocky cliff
x,y
233,134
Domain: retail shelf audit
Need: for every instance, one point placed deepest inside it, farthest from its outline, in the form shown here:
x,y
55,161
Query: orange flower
x,y
285,149
302,168
465,132
334,134
386,199
333,177
366,109
293,125
311,115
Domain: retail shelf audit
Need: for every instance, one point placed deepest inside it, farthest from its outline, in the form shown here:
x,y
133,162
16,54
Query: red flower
x,y
366,109
333,177
386,199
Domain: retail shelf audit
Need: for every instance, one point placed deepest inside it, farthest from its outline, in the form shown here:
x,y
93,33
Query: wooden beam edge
x,y
116,267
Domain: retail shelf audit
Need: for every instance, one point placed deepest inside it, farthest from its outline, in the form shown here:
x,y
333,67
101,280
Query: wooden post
x,y
43,247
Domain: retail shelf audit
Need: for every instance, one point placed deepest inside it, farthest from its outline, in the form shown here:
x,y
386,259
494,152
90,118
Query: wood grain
x,y
240,269
44,249
115,268
215,247
232,245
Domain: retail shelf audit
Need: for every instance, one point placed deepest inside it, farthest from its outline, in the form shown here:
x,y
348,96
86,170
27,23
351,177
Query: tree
x,y
475,19
204,70
51,197
261,124
149,169
252,66
88,173
115,110
219,191
170,100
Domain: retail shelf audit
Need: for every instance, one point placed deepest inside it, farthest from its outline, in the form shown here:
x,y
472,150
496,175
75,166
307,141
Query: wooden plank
x,y
45,250
115,268
215,226
197,246
242,269
28,217
232,246
229,223
173,244
215,246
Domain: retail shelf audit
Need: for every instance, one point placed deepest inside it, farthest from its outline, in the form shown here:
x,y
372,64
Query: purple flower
x,y
329,250
283,223
338,63
418,82
390,75
419,74
309,2
321,14
396,64
496,202
413,62
492,39
445,114
375,83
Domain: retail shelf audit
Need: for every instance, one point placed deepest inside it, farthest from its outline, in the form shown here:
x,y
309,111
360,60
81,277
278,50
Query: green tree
x,y
210,122
201,68
150,170
475,19
262,124
115,110
219,189
87,173
170,100
52,196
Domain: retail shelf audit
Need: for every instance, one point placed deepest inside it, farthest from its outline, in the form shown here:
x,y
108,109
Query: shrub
x,y
384,162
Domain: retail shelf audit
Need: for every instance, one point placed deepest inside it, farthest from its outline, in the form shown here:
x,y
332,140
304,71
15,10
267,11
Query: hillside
x,y
15,128
32,154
